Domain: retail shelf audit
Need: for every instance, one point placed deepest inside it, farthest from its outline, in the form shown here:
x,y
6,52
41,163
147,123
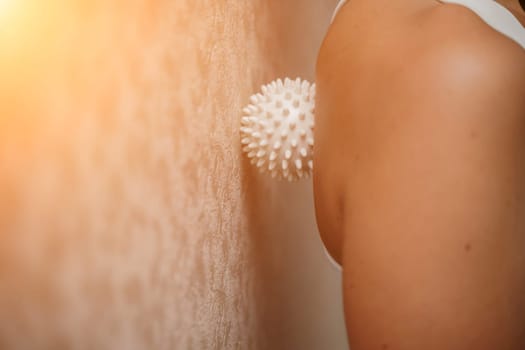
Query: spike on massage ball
x,y
277,129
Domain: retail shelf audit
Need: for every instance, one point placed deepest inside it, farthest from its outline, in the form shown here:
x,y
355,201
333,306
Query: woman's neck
x,y
520,4
513,5
516,7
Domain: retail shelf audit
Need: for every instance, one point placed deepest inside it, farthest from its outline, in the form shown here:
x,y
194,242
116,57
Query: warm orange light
x,y
8,15
4,7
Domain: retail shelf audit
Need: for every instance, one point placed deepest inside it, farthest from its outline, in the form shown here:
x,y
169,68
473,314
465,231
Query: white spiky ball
x,y
277,129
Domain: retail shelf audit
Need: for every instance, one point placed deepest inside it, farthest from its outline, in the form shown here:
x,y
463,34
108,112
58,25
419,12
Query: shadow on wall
x,y
128,217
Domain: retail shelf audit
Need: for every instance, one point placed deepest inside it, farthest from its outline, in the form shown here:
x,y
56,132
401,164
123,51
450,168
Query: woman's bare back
x,y
420,179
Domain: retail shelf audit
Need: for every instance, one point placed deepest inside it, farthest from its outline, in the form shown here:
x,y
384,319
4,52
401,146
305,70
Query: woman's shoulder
x,y
455,36
458,49
445,47
451,38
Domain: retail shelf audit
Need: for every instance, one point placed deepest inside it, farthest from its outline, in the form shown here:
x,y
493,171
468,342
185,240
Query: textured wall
x,y
128,218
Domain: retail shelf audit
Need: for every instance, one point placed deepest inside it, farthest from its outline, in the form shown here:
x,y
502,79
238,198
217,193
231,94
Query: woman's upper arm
x,y
434,225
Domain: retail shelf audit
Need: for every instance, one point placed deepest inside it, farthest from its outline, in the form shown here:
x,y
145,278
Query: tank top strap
x,y
337,8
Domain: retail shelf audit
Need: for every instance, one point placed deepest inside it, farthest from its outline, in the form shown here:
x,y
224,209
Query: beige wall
x,y
128,217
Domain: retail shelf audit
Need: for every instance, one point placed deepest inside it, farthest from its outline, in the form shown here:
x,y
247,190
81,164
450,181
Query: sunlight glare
x,y
4,6
6,9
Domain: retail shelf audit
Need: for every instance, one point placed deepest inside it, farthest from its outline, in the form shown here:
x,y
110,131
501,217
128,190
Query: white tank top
x,y
494,14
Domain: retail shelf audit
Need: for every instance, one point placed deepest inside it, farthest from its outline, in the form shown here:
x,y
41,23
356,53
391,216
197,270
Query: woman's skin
x,y
420,175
